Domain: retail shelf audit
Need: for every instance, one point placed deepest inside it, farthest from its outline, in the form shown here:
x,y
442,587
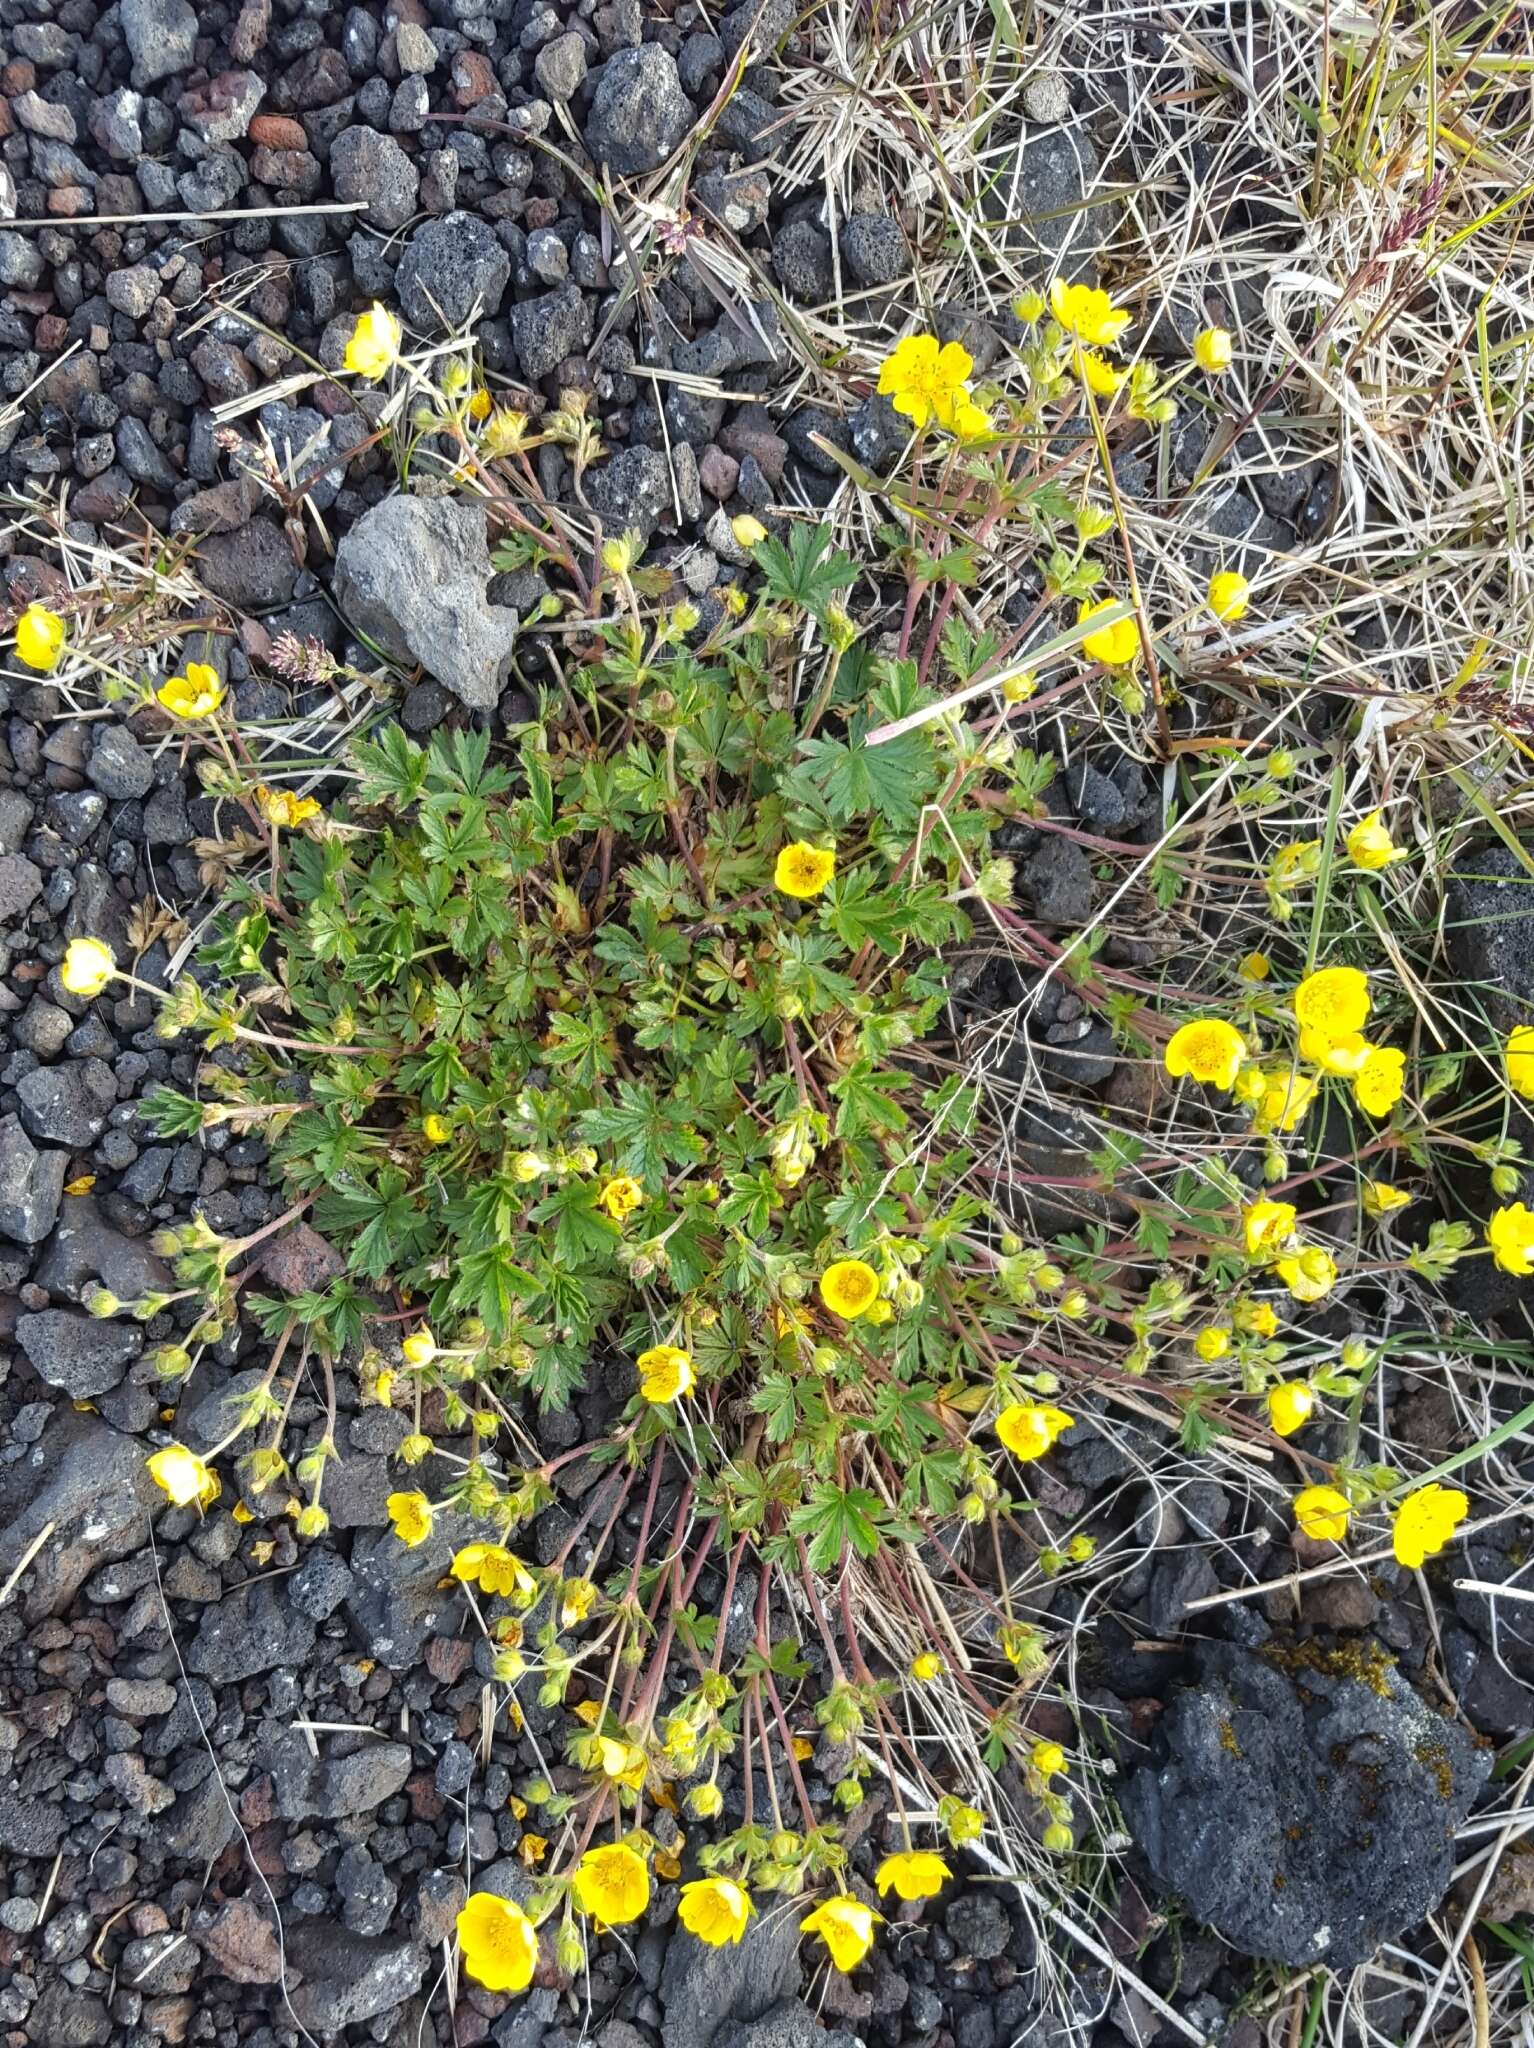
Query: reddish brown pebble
x,y
278,131
448,1657
473,79
50,334
68,202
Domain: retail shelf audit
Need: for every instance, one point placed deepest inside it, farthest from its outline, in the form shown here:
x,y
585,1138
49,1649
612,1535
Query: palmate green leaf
x,y
892,781
171,1114
491,1285
392,767
835,1519
581,1231
390,1228
865,1105
808,572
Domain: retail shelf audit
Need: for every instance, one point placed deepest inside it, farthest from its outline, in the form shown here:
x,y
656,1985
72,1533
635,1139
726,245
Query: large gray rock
x,y
451,267
1304,1799
85,1251
161,36
397,1599
76,1352
333,1788
411,576
31,1185
348,1977
639,112
88,1487
373,168
248,1632
1045,194
1489,934
711,1993
68,1104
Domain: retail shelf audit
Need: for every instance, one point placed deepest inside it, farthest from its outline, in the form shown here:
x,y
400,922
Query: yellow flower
x,y
505,432
1333,1001
1048,1759
1256,1318
1087,313
1099,374
1267,1226
912,1874
420,1347
1308,1274
803,870
1379,1081
1510,1233
620,1196
846,1926
411,1515
1030,1428
1212,1343
612,1884
374,346
1208,1049
964,1823
1290,1406
1227,594
184,1477
39,637
849,1288
1425,1521
282,807
1381,1199
577,1597
1370,844
1321,1513
926,1667
1518,1059
497,1941
496,1570
480,403
665,1373
748,532
1344,1054
1284,1100
716,1910
1212,350
87,967
623,1761
197,694
1115,646
436,1130
1254,967
923,380
966,420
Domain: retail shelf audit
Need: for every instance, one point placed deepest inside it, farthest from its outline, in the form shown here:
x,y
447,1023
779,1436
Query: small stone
x,y
630,489
416,51
560,67
241,1944
874,249
31,1185
250,1631
349,1977
639,113
20,886
161,36
717,473
548,329
801,256
118,765
68,1104
365,165
450,267
78,1353
130,1776
253,569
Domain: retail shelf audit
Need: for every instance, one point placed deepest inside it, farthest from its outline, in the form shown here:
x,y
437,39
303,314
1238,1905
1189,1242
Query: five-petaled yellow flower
x,y
1510,1233
1290,1407
612,1884
716,1910
1370,844
373,349
1267,1227
1425,1521
620,1196
1382,1198
1212,1343
665,1373
1285,1097
1518,1060
87,967
39,637
1332,1001
282,807
1208,1050
1344,1054
803,870
1228,595
1048,1759
1030,1428
435,1129
1086,312
1321,1513
1256,1318
577,1597
498,1942
496,1570
926,1667
846,1926
1100,376
849,1288
411,1515
1254,967
1378,1083
925,380
912,1874
1115,646
1212,350
1308,1274
183,1477
197,694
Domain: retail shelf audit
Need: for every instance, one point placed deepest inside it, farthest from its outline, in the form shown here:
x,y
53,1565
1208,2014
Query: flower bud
x,y
312,1520
101,1302
704,1802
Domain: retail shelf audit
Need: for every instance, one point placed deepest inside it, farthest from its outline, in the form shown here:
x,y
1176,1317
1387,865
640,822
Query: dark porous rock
x,y
21,883
630,489
250,1631
68,1104
1045,195
161,36
31,1184
978,1922
320,1584
397,1599
801,256
349,1977
118,765
370,167
791,2024
85,1485
29,1827
66,2018
1489,934
560,67
548,329
711,1993
200,1824
333,1788
157,1963
78,1353
1058,882
240,1943
450,268
639,112
412,575
1304,1800
252,569
873,248
85,1251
